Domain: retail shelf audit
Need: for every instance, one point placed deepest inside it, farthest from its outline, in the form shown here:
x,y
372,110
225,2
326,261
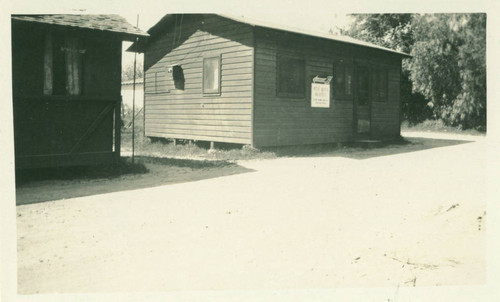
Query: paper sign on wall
x,y
320,95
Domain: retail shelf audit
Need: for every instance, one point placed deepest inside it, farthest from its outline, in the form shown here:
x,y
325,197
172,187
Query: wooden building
x,y
224,79
128,93
66,81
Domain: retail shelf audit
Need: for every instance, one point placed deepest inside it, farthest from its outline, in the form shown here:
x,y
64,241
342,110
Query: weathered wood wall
x,y
188,113
48,129
287,121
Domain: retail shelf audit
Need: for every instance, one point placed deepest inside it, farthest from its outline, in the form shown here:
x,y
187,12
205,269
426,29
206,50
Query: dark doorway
x,y
362,103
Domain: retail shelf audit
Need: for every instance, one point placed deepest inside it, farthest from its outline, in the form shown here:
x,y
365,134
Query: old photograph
x,y
161,151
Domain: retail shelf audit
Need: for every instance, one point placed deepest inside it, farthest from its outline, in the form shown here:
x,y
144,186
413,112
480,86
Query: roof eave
x,y
125,36
141,46
279,28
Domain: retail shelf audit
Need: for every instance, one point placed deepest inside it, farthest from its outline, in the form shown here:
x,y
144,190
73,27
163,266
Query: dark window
x,y
211,75
342,79
63,68
178,77
339,78
291,77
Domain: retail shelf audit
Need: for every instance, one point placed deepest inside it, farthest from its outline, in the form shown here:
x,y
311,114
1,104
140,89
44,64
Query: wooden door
x,y
362,102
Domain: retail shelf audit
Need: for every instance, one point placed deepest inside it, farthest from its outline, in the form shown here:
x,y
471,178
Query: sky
x,y
318,15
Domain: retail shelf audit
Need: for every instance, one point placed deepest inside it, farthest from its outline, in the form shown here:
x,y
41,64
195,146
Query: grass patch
x,y
148,148
304,150
159,147
184,163
198,154
437,126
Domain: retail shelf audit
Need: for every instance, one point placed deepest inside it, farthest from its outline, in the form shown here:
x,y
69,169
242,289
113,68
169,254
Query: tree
x,y
449,66
389,30
447,75
393,31
128,71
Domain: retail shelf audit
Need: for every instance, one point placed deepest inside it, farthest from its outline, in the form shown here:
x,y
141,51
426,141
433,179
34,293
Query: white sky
x,y
321,16
318,15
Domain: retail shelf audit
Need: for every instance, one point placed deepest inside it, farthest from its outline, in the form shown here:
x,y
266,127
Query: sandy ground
x,y
378,219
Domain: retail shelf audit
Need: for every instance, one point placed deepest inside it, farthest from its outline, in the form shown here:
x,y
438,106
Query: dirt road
x,y
377,219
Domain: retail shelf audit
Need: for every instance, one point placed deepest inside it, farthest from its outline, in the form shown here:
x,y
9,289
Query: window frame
x,y
212,92
55,76
347,69
291,95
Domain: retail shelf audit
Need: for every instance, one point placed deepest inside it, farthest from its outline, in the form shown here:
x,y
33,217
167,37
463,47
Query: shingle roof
x,y
108,23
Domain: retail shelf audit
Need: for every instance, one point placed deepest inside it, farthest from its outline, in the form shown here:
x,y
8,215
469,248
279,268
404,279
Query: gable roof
x,y
259,23
106,23
338,38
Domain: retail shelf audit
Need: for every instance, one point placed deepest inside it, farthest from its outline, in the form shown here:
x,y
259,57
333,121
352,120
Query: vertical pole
x,y
118,127
133,100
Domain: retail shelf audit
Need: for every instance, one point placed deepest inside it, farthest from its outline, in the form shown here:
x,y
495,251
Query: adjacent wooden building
x,y
66,81
224,79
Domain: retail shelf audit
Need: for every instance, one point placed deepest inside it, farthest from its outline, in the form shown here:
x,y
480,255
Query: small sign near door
x,y
320,92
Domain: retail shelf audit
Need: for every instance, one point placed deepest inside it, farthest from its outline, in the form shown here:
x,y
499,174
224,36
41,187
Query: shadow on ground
x,y
355,151
39,185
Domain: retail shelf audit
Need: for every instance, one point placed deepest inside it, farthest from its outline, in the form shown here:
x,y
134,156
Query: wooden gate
x,y
55,131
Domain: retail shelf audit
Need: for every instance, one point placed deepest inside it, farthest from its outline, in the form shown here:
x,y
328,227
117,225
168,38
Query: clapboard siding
x,y
288,121
248,110
213,117
187,113
236,123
